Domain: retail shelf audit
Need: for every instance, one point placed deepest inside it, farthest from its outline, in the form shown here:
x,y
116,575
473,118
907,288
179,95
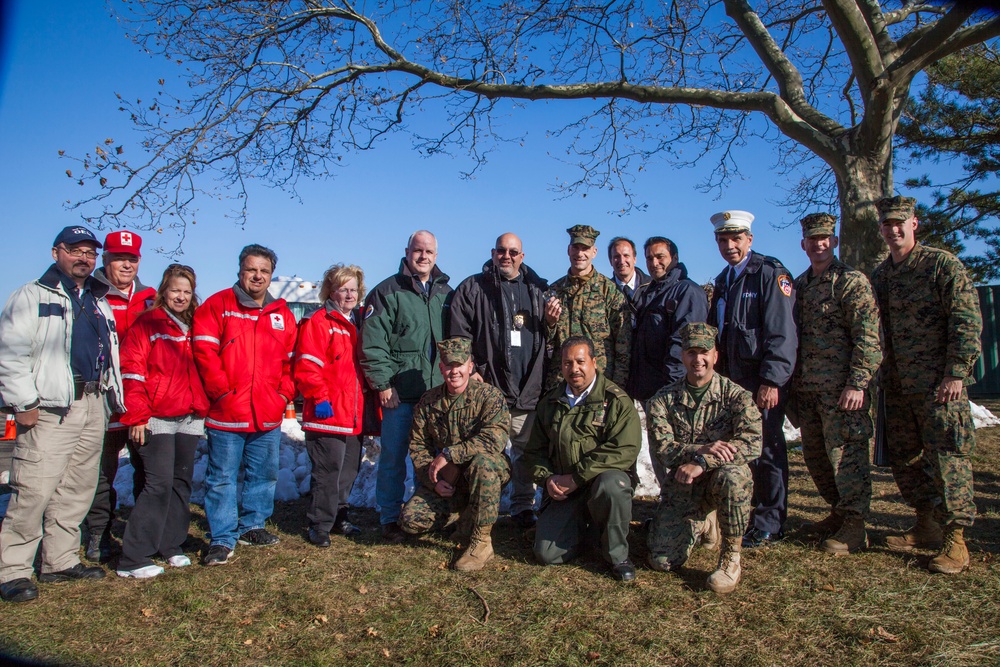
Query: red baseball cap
x,y
123,241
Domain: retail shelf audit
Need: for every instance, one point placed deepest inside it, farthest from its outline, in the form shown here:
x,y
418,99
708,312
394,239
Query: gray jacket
x,y
36,331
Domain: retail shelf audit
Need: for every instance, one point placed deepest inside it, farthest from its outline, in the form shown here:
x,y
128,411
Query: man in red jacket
x,y
128,299
243,344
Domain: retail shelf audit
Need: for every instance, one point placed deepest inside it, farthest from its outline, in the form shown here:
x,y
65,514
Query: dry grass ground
x,y
364,603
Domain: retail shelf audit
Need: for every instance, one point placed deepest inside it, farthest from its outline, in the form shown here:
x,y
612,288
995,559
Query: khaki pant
x,y
53,477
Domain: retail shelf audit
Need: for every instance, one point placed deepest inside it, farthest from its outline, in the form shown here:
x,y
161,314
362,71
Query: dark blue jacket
x,y
758,339
664,307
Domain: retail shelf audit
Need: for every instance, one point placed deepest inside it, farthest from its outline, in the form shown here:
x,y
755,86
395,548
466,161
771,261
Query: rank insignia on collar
x,y
785,283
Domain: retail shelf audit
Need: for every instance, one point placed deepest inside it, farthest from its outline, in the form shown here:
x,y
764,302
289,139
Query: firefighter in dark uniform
x,y
752,307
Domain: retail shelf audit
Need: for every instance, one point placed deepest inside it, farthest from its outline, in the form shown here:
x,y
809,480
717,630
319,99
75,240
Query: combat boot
x,y
850,538
479,552
925,534
954,556
710,537
826,526
727,574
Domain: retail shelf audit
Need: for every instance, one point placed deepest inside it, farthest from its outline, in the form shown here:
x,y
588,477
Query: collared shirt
x,y
630,283
576,400
735,272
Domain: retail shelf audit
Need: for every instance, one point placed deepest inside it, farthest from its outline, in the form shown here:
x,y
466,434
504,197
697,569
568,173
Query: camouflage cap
x,y
895,208
583,234
818,224
698,334
455,350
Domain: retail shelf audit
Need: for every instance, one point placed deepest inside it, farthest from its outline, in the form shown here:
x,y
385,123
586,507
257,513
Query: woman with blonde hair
x,y
328,374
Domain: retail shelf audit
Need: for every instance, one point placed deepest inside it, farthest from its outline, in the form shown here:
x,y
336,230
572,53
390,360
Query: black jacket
x,y
664,307
479,312
758,339
642,282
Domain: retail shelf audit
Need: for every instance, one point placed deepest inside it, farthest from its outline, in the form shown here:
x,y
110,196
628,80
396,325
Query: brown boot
x,y
826,526
727,574
850,538
479,552
954,556
710,537
925,534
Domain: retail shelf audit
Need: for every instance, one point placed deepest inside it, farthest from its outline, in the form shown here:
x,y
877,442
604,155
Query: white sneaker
x,y
180,560
146,572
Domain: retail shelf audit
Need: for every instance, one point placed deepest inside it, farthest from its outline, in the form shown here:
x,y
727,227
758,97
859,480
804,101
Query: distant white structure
x,y
302,295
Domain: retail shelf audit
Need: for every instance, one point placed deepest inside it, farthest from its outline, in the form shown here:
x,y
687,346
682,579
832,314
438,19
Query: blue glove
x,y
323,410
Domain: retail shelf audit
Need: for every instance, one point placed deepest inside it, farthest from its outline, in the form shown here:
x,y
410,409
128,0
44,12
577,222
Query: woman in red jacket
x,y
165,411
328,375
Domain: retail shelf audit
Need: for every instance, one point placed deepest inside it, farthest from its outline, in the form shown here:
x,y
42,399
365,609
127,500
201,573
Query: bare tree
x,y
283,90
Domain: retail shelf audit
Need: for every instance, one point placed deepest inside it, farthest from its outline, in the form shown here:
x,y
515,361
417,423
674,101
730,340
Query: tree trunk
x,y
862,184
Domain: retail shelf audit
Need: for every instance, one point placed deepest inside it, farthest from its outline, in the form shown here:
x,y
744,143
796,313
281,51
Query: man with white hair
x,y
752,308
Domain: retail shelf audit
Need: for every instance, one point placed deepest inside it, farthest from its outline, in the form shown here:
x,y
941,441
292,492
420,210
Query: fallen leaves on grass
x,y
148,613
372,632
434,631
881,634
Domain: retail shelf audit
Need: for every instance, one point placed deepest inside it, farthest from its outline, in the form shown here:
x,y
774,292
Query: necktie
x,y
628,291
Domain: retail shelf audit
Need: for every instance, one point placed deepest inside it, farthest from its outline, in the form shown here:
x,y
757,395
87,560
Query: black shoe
x,y
393,534
78,571
761,538
258,537
18,590
623,571
319,538
216,555
525,519
341,526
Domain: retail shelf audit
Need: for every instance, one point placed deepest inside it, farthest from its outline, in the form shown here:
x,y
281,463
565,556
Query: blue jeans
x,y
390,478
229,513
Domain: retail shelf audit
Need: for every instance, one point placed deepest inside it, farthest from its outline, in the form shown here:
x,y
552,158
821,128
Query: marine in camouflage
x,y
677,427
473,427
839,348
594,307
932,325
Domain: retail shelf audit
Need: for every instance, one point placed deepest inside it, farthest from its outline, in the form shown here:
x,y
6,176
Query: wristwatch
x,y
446,454
700,460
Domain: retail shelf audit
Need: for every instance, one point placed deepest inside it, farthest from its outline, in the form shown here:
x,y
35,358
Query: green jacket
x,y
399,335
602,433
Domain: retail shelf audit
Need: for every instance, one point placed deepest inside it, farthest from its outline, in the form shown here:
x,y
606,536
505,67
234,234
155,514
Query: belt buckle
x,y
92,387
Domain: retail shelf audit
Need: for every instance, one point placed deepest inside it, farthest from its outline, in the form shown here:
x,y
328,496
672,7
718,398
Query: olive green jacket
x,y
601,433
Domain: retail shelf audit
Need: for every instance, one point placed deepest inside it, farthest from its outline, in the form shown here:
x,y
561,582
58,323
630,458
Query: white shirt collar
x,y
576,400
743,264
630,283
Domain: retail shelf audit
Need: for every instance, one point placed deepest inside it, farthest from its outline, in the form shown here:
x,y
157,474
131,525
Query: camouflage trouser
x,y
930,447
683,508
835,445
477,497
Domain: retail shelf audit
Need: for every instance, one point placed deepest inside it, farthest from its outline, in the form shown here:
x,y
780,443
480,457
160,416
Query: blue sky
x,y
66,59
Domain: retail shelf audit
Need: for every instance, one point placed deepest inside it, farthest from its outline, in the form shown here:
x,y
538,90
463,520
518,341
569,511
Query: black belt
x,y
80,388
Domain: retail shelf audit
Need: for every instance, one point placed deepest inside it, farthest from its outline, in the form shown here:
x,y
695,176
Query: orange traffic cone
x,y
10,429
290,411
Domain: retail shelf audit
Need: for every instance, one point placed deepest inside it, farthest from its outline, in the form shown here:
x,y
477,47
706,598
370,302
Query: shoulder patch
x,y
369,310
785,284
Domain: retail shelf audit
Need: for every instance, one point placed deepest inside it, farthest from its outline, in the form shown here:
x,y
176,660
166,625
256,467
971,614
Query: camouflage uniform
x,y
838,323
473,427
592,306
677,427
932,324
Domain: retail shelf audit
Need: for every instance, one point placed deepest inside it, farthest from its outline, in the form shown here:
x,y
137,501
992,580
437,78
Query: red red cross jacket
x,y
327,369
158,370
244,355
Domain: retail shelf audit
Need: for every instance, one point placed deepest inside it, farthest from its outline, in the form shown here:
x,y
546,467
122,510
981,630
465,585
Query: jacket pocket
x,y
747,344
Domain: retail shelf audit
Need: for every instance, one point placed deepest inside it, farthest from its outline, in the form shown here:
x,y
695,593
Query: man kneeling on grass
x,y
704,429
457,441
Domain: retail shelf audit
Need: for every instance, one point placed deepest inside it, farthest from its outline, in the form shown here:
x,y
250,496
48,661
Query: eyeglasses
x,y
77,253
505,251
346,291
182,267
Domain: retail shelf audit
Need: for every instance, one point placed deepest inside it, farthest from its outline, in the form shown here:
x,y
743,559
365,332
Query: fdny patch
x,y
785,283
277,321
369,310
